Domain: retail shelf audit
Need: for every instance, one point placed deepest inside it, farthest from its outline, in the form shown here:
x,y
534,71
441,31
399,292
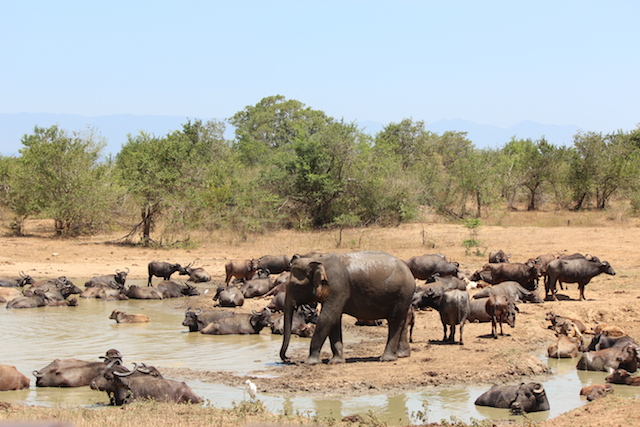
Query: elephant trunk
x,y
288,319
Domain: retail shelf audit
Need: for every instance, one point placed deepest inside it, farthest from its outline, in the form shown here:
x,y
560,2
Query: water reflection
x,y
32,338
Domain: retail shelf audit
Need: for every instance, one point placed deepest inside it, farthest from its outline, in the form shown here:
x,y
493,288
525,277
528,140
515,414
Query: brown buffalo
x,y
121,317
240,269
11,379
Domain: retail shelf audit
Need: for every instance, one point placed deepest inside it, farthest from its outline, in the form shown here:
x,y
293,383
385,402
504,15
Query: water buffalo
x,y
119,277
425,266
557,320
453,306
526,274
117,396
73,372
277,302
478,310
622,376
611,331
595,391
498,256
196,275
501,309
150,292
420,297
38,299
600,342
240,269
240,324
610,359
18,282
564,347
162,269
11,379
121,317
256,287
298,326
275,264
10,293
580,271
196,321
521,398
126,387
229,296
510,289
171,289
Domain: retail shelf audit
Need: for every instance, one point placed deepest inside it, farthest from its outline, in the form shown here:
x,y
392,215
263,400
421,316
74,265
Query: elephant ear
x,y
320,281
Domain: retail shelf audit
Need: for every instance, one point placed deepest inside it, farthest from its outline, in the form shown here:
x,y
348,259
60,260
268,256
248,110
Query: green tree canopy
x,y
59,175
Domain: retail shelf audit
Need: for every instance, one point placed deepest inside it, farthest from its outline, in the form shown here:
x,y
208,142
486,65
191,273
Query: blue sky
x,y
491,62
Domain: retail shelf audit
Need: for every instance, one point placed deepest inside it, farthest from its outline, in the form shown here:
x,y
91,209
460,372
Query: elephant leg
x,y
397,341
335,338
330,316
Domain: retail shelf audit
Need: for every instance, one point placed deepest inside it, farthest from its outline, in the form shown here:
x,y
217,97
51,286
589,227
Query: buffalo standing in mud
x,y
580,271
162,269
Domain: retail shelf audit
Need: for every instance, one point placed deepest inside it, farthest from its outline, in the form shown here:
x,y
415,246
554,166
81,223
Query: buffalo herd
x,y
490,294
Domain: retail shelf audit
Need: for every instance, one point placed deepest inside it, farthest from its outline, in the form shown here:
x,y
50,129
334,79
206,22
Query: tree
x,y
59,175
602,165
534,164
273,124
164,173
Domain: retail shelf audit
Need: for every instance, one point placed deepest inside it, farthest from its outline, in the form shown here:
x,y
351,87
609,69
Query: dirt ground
x,y
511,358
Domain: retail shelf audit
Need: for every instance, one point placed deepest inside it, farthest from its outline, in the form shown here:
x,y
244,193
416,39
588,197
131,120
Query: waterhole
x,y
32,338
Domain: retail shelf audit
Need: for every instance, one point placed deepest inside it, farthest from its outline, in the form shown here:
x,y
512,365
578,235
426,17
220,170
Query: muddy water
x,y
32,338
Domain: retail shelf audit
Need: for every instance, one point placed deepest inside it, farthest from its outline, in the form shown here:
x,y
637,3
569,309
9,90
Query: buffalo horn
x,y
37,374
24,276
126,374
537,388
199,309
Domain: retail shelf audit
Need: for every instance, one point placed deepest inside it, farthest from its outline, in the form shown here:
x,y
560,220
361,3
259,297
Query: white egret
x,y
251,389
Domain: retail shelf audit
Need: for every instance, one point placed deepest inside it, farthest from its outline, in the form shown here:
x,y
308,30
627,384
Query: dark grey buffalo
x,y
478,310
277,302
171,289
498,256
298,326
524,273
580,271
229,296
240,324
119,277
421,297
196,275
73,372
521,398
453,306
256,287
510,289
125,387
197,320
112,292
275,264
37,299
600,342
149,292
425,266
162,269
609,359
117,395
17,282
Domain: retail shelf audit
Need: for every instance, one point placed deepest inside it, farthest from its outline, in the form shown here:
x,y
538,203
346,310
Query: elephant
x,y
368,285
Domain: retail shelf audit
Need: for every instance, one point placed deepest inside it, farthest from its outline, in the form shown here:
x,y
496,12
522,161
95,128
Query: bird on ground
x,y
251,389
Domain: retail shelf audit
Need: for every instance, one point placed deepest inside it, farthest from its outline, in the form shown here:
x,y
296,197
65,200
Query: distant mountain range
x,y
115,129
